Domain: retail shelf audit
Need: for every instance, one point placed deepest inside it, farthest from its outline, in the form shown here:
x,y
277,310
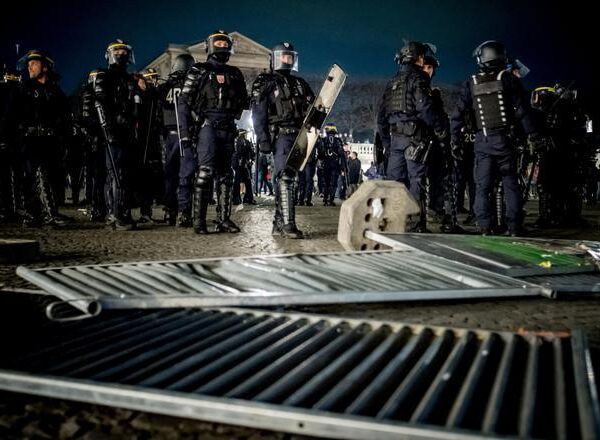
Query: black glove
x,y
457,150
537,144
264,147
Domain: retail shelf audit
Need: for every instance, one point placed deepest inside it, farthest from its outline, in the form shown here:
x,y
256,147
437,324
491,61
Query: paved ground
x,y
85,243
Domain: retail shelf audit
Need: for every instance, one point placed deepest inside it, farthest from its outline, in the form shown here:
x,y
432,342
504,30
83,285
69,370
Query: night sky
x,y
555,41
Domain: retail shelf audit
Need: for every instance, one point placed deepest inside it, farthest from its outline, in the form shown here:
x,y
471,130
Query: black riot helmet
x,y
119,53
219,45
430,60
491,56
151,76
36,54
330,129
284,57
412,50
544,98
183,62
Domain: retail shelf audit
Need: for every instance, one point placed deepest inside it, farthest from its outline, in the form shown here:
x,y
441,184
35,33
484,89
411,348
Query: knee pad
x,y
204,178
186,181
226,179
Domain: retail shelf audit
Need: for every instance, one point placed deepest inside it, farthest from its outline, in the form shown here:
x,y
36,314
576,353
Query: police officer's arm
x,y
320,149
523,111
241,93
260,112
105,118
425,106
383,124
187,99
310,95
459,113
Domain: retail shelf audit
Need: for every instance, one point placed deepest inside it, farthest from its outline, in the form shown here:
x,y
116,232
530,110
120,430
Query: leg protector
x,y
224,190
202,195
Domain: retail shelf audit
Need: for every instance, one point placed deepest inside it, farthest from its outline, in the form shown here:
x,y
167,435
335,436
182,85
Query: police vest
x,y
491,104
221,90
119,92
397,97
173,88
289,100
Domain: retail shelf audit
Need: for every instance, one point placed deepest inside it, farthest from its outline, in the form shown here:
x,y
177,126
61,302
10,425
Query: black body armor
x,y
216,88
170,92
490,102
290,99
118,99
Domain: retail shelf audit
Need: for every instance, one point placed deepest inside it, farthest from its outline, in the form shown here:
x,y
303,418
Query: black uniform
x,y
179,170
9,165
497,98
306,180
95,154
242,168
44,126
213,97
332,156
407,122
149,174
280,101
562,163
495,154
117,101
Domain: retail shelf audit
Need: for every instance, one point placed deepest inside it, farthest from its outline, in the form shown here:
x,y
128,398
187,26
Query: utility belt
x,y
413,129
276,130
508,131
39,131
218,124
289,130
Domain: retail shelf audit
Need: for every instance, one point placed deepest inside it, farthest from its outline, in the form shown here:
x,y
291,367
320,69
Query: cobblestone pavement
x,y
85,243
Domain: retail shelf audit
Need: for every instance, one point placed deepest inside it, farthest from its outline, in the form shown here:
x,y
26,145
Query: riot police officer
x,y
242,168
149,174
442,169
407,121
331,154
117,101
436,166
216,94
280,101
306,180
497,98
177,160
9,169
44,124
95,154
563,124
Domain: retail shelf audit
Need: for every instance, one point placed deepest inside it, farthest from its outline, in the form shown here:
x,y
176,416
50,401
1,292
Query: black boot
x,y
224,222
420,223
184,219
201,198
49,212
288,228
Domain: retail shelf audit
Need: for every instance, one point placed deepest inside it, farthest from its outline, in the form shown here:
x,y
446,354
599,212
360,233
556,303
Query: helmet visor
x,y
120,53
285,60
219,43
